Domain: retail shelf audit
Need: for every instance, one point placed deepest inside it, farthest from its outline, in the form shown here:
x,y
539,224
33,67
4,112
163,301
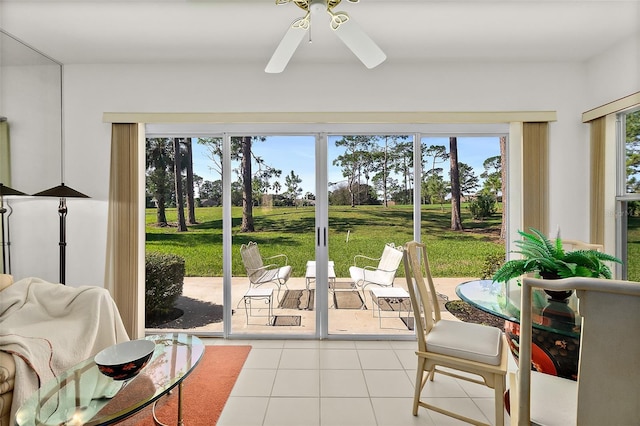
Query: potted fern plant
x,y
549,260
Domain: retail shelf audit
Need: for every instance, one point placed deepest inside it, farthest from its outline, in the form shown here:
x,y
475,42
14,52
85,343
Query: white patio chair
x,y
265,271
463,350
606,392
382,274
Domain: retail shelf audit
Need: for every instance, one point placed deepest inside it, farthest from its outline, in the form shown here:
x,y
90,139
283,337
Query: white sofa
x,y
45,328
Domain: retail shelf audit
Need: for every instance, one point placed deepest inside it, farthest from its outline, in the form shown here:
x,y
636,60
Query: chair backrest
x,y
422,291
390,259
609,365
251,259
570,245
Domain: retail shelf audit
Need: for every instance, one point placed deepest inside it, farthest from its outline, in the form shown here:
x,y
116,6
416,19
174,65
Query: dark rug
x,y
283,320
348,300
298,299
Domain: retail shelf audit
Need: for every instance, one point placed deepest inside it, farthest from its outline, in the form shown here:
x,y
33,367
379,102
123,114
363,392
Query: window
x,y
628,193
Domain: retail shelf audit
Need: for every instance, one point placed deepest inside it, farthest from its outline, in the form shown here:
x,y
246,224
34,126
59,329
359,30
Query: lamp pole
x,y
6,243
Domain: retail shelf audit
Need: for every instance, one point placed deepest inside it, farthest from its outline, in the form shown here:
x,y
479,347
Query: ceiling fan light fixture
x,y
345,28
318,6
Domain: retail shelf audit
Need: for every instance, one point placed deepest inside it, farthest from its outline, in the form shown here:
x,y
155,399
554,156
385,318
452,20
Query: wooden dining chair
x,y
460,347
606,391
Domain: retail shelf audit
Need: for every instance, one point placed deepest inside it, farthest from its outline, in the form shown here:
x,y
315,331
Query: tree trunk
x,y
191,206
503,172
182,226
161,213
247,195
456,220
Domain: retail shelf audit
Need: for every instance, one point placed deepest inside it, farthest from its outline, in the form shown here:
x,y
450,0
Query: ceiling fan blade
x,y
357,40
287,47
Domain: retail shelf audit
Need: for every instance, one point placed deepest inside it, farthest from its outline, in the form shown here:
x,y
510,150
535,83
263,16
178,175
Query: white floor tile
x,y
293,412
442,387
263,358
343,383
346,412
339,359
300,359
388,383
254,382
372,344
300,383
462,406
399,411
243,411
407,358
337,344
302,344
379,360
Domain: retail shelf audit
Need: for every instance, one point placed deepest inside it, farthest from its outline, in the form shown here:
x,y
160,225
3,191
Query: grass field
x,y
361,230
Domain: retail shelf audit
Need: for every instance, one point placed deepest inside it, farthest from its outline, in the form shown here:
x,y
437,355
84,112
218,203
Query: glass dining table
x,y
556,328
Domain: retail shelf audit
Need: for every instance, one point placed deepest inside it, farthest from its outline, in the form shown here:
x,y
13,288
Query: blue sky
x,y
297,153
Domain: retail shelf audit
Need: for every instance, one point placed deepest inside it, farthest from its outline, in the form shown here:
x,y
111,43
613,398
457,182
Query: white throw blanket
x,y
51,327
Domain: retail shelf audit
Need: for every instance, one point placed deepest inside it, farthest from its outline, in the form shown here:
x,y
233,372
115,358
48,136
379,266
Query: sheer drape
x,y
535,141
598,139
122,278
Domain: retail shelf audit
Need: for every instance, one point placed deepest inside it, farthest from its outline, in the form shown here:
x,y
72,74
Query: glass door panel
x,y
457,255
273,234
370,191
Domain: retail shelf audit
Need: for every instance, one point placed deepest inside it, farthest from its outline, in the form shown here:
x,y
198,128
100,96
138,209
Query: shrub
x,y
163,282
483,206
492,263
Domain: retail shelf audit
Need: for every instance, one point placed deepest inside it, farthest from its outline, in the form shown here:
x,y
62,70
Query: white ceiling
x,y
221,31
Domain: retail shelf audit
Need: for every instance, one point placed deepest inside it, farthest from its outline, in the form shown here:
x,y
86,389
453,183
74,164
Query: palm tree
x,y
159,162
456,217
177,170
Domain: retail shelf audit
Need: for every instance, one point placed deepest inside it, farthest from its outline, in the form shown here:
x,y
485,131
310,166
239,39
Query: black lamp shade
x,y
5,190
61,191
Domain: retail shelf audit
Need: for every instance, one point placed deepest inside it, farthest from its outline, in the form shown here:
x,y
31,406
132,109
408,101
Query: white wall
x,y
91,90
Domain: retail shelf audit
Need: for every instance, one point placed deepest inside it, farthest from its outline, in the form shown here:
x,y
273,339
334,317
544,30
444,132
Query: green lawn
x,y
633,248
361,230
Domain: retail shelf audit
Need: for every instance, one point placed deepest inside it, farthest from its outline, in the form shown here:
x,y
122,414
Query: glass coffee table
x,y
84,396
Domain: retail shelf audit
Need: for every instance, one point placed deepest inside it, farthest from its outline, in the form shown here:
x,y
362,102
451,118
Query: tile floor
x,y
341,383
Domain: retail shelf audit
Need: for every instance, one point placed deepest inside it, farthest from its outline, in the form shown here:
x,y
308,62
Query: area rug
x,y
348,300
298,299
282,320
205,391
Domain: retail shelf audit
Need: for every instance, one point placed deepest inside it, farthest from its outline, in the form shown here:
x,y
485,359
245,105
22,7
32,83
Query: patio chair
x,y
606,391
382,274
260,273
471,352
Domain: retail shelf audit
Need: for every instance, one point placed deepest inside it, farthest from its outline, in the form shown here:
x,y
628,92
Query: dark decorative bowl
x,y
124,360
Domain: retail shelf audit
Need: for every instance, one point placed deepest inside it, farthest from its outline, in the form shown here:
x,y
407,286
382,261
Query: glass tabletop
x,y
84,396
503,300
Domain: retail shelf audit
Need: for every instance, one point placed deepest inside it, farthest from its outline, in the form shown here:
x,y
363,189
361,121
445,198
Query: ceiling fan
x,y
344,26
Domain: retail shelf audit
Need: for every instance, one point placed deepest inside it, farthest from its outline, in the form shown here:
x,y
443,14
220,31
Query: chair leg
x,y
418,385
500,388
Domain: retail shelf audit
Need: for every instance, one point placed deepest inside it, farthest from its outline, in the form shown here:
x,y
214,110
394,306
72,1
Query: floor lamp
x,y
63,192
4,228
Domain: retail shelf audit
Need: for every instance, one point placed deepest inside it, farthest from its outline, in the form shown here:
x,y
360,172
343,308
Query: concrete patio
x,y
201,295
